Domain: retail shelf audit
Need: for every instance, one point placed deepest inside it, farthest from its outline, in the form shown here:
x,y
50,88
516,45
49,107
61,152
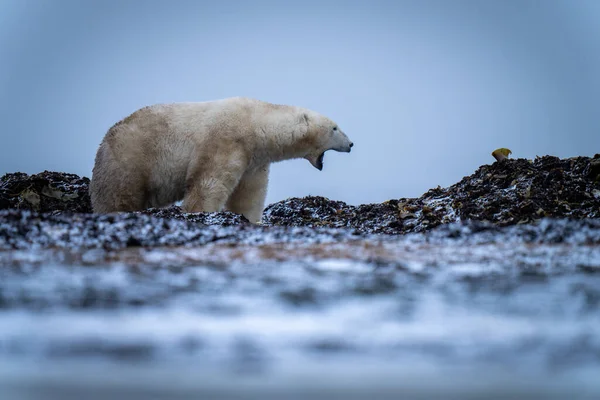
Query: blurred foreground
x,y
468,310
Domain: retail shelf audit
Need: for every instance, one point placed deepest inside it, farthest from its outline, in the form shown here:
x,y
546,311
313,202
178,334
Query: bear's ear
x,y
304,119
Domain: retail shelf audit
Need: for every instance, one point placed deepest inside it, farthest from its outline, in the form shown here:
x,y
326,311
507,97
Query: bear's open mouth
x,y
320,161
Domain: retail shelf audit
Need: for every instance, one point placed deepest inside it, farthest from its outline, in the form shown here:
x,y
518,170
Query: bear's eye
x,y
335,128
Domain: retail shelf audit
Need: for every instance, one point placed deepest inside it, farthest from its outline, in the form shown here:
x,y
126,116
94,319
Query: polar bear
x,y
213,155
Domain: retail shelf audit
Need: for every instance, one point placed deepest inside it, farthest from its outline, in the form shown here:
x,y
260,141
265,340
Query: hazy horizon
x,y
425,89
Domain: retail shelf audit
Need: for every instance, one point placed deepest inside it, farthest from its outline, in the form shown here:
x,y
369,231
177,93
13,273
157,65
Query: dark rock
x,y
45,192
504,193
511,192
225,218
23,229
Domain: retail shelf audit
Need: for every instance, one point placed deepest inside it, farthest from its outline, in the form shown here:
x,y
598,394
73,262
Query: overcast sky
x,y
426,89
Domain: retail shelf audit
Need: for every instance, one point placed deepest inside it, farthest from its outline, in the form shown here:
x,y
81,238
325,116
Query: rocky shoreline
x,y
510,192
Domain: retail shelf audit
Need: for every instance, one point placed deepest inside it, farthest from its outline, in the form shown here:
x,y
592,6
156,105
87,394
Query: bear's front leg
x,y
249,196
209,185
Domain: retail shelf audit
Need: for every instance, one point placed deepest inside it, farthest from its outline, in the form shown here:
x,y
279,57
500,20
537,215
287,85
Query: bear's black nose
x,y
351,144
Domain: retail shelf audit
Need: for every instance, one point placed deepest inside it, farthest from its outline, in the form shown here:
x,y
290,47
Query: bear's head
x,y
323,134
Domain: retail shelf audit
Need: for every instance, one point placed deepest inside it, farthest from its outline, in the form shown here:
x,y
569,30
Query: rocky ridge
x,y
510,192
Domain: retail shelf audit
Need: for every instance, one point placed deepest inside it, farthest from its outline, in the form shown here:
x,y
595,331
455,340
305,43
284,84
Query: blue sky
x,y
425,89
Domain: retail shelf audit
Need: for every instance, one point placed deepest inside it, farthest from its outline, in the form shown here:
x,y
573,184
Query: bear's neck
x,y
283,141
280,146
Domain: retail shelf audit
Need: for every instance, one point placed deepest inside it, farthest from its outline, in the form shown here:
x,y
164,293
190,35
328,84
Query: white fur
x,y
213,155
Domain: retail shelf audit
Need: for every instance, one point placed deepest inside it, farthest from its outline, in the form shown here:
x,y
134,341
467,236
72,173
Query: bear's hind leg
x,y
249,196
116,187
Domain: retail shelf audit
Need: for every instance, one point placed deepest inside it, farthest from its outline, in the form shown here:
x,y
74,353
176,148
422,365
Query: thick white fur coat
x,y
212,155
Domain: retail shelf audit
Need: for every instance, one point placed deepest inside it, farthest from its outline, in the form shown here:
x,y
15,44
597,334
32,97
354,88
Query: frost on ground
x,y
490,287
505,193
282,310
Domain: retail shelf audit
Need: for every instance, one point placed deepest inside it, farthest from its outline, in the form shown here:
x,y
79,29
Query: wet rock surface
x,y
45,192
22,230
397,312
220,218
30,230
510,192
505,193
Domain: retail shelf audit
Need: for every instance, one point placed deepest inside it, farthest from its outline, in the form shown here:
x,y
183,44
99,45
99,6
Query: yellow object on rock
x,y
501,153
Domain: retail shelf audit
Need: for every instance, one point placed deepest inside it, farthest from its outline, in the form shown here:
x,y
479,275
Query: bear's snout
x,y
344,144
